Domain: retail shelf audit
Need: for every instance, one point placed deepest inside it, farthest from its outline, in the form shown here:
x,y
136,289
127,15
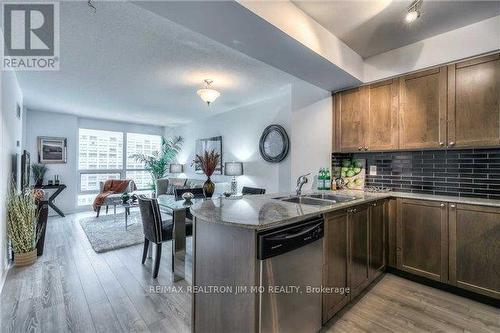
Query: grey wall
x,y
41,123
10,134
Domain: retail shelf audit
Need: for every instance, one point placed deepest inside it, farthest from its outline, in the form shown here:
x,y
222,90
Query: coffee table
x,y
127,206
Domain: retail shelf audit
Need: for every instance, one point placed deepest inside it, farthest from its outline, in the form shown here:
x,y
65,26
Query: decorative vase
x,y
24,259
125,197
208,188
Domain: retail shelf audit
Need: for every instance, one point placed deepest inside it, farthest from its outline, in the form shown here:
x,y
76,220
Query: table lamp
x,y
233,169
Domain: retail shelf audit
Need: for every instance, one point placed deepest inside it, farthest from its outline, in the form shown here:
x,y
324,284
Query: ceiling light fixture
x,y
207,94
414,11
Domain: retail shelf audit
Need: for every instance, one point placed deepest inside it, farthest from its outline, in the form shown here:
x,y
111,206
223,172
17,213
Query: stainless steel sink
x,y
332,197
303,200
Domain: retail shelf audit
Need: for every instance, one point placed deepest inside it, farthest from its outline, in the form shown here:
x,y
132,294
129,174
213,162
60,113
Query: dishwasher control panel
x,y
278,241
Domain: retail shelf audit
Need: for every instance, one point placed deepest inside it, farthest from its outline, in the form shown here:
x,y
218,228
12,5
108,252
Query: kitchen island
x,y
230,276
359,242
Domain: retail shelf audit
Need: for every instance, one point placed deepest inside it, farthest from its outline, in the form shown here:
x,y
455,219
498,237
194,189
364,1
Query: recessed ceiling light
x,y
414,11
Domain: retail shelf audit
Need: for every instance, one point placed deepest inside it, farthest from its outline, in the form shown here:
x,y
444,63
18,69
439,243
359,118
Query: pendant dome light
x,y
208,94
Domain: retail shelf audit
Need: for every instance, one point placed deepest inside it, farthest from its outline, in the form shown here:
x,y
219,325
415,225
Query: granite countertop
x,y
263,211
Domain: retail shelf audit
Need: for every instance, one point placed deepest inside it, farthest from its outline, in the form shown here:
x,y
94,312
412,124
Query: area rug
x,y
107,232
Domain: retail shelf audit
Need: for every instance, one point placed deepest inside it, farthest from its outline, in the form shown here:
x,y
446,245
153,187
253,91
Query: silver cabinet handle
x,y
360,148
442,205
441,143
451,144
366,148
453,206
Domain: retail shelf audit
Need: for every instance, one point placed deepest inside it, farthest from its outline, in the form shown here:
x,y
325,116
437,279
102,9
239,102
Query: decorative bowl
x,y
187,196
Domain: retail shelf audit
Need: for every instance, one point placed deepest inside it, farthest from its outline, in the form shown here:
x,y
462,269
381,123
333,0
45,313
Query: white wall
x,y
41,123
240,130
469,41
311,147
10,134
304,110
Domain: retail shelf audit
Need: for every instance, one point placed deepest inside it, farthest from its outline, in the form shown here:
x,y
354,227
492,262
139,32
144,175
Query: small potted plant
x,y
22,217
208,162
39,171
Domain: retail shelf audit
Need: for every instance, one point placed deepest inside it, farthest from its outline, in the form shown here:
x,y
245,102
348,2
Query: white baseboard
x,y
4,276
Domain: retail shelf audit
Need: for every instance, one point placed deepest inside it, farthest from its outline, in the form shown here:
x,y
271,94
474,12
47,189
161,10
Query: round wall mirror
x,y
274,144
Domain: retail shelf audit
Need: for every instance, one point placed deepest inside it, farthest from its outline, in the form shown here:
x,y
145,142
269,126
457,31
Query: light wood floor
x,y
72,288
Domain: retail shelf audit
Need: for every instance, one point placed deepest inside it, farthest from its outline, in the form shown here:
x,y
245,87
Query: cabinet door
x,y
350,112
391,232
475,248
423,238
423,109
383,106
377,239
473,102
335,263
358,250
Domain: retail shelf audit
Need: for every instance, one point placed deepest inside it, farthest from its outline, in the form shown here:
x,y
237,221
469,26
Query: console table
x,y
59,188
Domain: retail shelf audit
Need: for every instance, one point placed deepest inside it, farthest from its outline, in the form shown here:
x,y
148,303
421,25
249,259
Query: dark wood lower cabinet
x,y
378,213
456,244
359,276
354,253
335,263
475,248
422,240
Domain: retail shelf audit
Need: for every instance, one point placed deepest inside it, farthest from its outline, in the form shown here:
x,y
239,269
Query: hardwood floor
x,y
72,288
398,305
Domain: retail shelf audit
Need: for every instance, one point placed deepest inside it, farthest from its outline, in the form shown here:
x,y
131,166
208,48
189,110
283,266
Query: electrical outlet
x,y
373,170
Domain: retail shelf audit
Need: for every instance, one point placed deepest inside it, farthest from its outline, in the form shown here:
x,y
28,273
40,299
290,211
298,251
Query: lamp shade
x,y
176,168
233,168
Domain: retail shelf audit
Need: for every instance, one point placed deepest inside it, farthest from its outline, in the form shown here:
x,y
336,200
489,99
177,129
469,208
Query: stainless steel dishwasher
x,y
291,260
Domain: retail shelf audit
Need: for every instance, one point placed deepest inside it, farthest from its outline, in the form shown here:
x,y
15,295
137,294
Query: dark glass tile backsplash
x,y
464,173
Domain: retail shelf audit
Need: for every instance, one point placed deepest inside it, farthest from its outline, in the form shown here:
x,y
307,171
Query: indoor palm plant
x,y
158,162
208,162
22,216
39,171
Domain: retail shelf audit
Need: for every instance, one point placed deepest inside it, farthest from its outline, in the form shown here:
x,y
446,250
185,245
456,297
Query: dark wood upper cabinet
x,y
335,262
383,106
473,102
422,240
475,248
377,239
423,109
350,122
451,106
359,276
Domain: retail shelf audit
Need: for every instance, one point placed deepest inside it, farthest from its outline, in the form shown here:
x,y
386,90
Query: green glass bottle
x,y
320,183
328,184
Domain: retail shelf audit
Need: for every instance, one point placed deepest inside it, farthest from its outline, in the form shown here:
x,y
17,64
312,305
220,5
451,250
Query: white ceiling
x,y
373,27
126,63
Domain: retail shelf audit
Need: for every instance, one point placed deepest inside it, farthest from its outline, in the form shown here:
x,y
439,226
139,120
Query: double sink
x,y
317,199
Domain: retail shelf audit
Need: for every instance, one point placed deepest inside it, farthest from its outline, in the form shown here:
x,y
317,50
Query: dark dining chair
x,y
156,230
252,190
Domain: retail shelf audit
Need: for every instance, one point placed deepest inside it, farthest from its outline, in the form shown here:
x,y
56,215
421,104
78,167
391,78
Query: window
x,y
102,155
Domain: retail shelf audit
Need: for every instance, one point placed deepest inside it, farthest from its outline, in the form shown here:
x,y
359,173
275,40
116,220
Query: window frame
x,y
122,172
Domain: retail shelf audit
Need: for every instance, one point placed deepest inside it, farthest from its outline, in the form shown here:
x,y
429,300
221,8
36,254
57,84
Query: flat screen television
x,y
25,170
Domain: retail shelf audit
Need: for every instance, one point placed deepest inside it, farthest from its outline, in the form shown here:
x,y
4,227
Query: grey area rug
x,y
107,232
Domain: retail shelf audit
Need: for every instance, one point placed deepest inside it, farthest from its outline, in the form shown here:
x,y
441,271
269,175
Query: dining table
x,y
179,210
